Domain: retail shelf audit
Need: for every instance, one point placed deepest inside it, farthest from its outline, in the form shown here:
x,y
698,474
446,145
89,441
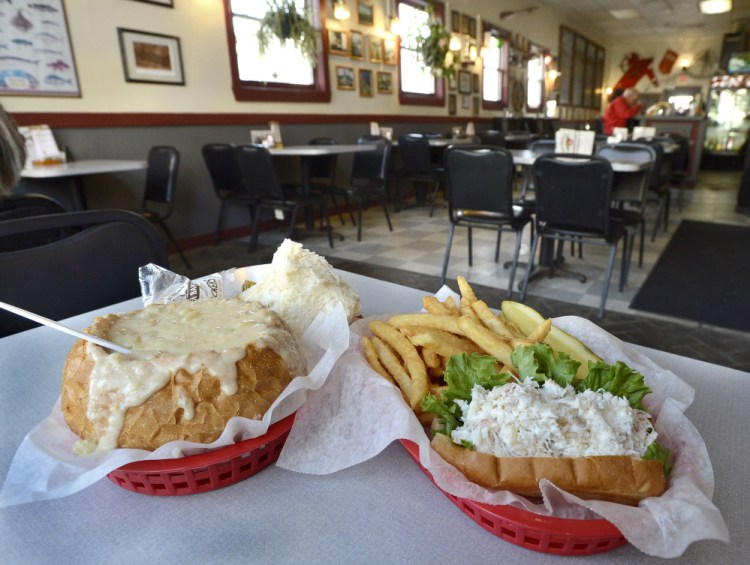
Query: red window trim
x,y
501,104
263,92
411,99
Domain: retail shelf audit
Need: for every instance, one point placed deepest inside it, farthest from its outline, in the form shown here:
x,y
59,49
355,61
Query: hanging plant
x,y
433,46
283,23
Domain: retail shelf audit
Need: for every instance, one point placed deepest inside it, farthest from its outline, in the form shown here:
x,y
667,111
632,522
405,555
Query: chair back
x,y
573,193
323,167
414,150
371,167
161,177
223,169
258,171
15,206
681,157
95,267
660,172
542,146
492,137
517,139
630,187
479,179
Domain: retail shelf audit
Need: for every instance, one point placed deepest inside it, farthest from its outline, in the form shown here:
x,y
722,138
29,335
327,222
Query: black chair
x,y
416,166
492,137
161,186
14,206
573,202
518,139
226,179
480,195
258,171
659,190
369,178
629,189
94,267
322,172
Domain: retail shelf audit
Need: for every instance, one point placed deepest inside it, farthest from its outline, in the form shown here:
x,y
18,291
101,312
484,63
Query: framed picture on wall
x,y
151,57
338,42
344,78
385,82
28,65
465,102
389,51
451,104
356,45
475,82
365,13
376,48
165,3
475,106
464,82
455,21
365,82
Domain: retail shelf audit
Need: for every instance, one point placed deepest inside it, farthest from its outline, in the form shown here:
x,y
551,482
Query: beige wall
x,y
200,26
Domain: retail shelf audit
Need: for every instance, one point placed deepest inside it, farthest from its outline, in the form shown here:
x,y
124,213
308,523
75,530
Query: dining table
x,y
63,182
383,510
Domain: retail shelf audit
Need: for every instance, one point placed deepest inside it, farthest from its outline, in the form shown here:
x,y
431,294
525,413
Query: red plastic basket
x,y
206,471
559,536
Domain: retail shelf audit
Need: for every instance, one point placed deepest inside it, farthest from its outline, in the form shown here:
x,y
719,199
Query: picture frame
x,y
164,3
475,82
365,13
375,48
455,21
151,57
356,45
338,42
344,77
465,102
390,51
37,73
385,82
365,82
464,82
475,106
452,84
465,24
452,103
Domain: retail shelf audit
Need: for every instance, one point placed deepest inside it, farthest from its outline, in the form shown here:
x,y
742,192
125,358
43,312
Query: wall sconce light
x,y
473,53
684,64
341,10
455,43
394,24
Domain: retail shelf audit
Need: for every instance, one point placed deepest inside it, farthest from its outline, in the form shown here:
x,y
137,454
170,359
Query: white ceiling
x,y
657,17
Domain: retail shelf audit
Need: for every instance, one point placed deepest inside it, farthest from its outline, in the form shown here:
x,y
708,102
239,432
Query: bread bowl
x,y
195,365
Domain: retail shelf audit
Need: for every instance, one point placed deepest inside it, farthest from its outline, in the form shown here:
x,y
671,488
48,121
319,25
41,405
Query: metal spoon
x,y
57,326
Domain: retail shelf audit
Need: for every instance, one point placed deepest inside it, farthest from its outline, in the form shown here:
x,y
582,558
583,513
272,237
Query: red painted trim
x,y
94,120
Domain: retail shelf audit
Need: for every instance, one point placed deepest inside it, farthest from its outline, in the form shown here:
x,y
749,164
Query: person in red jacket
x,y
620,110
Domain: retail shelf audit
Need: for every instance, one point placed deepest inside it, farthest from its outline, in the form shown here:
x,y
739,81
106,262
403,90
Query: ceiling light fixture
x,y
341,10
715,6
625,14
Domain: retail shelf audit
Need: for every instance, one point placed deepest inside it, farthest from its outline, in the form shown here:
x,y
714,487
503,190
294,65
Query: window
x,y
417,85
495,69
535,82
282,73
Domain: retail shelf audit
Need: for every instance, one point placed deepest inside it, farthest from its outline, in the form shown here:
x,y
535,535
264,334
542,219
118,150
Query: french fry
x,y
430,358
443,343
434,306
466,290
435,321
513,327
490,320
466,309
437,390
521,342
451,305
393,365
540,332
372,358
420,383
489,341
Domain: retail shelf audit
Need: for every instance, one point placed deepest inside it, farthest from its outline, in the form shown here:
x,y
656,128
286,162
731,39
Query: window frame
x,y
538,50
256,91
504,101
411,98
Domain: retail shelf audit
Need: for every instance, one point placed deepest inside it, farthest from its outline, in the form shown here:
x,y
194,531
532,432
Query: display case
x,y
728,114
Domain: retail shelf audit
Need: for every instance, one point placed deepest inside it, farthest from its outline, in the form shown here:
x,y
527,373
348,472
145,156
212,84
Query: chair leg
x,y
471,252
434,197
349,207
397,204
256,230
497,245
217,238
514,265
384,200
359,219
529,266
667,205
447,255
336,207
293,221
328,228
658,220
627,251
175,244
610,268
643,237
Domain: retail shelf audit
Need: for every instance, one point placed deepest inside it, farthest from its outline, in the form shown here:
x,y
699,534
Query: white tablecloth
x,y
382,511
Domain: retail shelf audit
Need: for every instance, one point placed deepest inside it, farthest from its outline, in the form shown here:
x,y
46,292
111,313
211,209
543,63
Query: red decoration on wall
x,y
667,62
635,69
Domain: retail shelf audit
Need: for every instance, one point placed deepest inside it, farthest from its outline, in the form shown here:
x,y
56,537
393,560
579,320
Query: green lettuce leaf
x,y
539,362
618,379
656,452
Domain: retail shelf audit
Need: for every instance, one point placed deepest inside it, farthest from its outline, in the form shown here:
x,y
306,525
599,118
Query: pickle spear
x,y
527,319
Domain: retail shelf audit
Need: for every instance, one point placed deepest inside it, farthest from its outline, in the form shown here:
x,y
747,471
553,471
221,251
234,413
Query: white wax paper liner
x,y
357,414
46,466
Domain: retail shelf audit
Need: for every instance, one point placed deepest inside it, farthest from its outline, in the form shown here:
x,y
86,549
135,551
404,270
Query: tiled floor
x,y
413,253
